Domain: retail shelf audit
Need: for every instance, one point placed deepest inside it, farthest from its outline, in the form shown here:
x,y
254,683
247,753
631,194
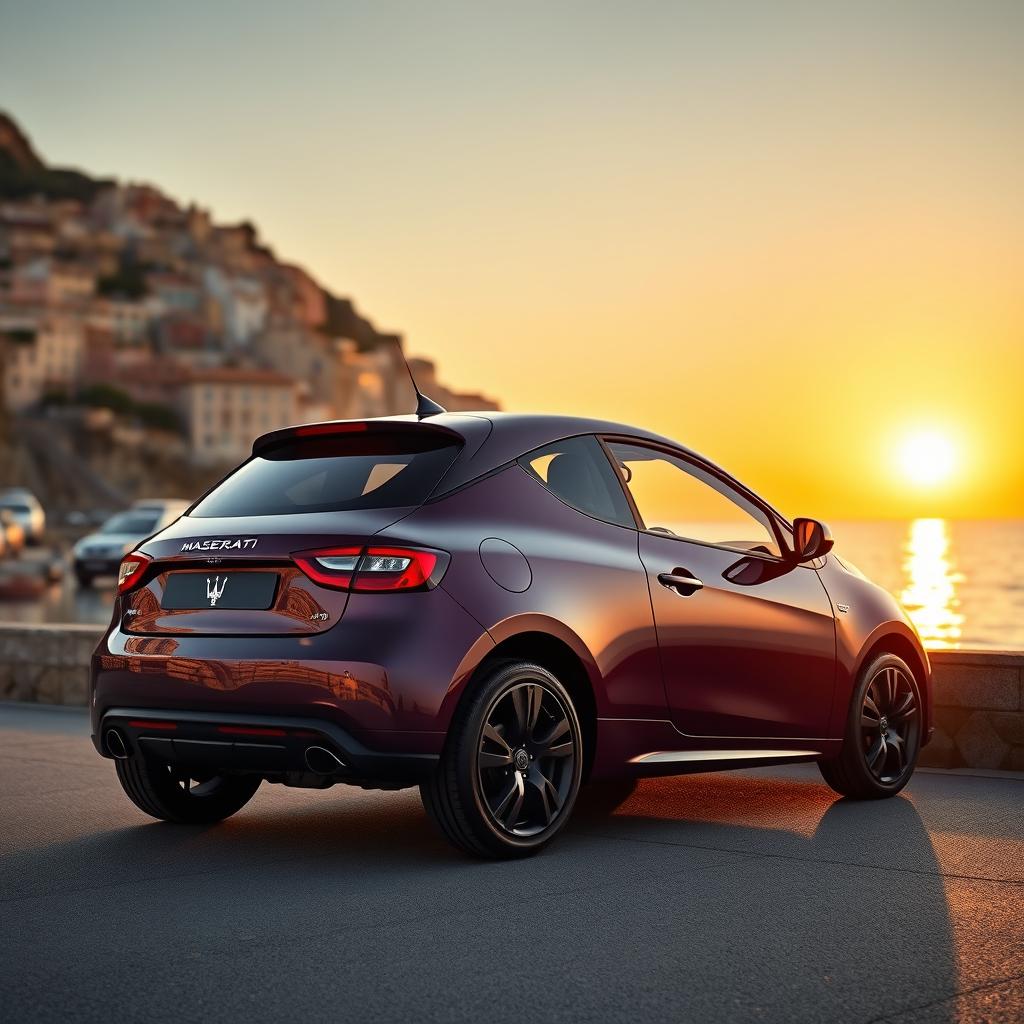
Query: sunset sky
x,y
791,236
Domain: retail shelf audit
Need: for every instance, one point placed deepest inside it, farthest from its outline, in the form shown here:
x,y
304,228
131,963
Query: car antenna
x,y
424,406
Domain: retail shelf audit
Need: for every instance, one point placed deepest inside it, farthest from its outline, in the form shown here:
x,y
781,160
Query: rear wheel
x,y
883,733
171,794
510,772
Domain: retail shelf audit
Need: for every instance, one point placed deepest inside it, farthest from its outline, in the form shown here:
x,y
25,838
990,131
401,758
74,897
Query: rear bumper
x,y
274,747
384,678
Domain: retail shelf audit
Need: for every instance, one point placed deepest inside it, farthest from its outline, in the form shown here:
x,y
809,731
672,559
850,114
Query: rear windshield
x,y
333,475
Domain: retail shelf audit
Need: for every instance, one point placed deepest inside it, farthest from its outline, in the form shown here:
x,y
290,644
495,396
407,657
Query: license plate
x,y
231,590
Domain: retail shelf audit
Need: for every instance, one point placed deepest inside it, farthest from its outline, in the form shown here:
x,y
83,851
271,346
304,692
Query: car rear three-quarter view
x,y
499,609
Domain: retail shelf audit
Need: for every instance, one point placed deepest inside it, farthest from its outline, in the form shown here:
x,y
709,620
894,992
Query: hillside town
x,y
122,308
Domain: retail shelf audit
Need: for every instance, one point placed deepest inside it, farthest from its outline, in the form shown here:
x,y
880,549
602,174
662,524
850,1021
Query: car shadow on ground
x,y
768,883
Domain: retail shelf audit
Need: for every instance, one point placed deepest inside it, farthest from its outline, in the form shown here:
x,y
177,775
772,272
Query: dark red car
x,y
496,608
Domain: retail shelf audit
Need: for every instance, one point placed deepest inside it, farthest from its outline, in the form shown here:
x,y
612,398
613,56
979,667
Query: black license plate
x,y
231,590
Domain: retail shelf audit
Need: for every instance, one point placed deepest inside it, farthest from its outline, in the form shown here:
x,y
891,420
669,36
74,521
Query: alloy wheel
x,y
526,759
889,724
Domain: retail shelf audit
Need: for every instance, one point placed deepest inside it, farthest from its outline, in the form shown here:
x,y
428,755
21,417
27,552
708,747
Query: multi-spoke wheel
x,y
888,721
527,758
173,794
511,770
883,733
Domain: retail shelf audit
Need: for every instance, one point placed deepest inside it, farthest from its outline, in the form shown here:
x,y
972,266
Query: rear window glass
x,y
131,522
333,475
578,471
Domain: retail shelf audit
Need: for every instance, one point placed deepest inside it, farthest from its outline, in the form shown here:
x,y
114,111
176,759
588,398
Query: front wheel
x,y
167,793
510,771
883,733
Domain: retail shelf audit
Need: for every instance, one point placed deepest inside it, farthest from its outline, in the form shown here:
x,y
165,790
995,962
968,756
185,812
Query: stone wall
x,y
979,710
979,695
46,664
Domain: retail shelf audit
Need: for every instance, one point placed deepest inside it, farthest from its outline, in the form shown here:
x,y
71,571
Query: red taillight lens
x,y
132,568
332,567
374,568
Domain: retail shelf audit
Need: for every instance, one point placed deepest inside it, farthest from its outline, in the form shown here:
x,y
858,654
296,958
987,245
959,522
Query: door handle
x,y
682,581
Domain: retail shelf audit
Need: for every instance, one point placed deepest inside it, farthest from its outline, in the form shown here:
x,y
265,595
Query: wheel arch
x,y
897,642
573,668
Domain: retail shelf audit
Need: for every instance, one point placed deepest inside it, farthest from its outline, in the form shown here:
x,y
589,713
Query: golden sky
x,y
791,236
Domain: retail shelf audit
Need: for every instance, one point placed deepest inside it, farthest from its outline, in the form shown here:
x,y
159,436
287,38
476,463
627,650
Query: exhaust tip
x,y
115,744
322,761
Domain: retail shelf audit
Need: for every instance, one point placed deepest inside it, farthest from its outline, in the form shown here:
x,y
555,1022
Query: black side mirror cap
x,y
811,539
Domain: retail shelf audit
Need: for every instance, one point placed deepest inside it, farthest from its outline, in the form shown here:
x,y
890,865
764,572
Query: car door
x,y
746,637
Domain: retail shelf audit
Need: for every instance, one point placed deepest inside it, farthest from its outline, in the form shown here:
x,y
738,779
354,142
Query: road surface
x,y
743,896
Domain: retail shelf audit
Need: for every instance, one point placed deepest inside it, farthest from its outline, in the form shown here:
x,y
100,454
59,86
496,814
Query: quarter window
x,y
678,498
578,471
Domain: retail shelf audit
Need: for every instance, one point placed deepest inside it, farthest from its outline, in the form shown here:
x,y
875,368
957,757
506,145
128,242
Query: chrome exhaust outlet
x,y
321,761
115,744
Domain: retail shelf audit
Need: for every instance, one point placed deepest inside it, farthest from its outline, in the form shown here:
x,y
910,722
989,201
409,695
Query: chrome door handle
x,y
682,585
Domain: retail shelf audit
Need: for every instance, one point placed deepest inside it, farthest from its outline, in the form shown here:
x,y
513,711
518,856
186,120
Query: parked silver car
x,y
100,553
25,510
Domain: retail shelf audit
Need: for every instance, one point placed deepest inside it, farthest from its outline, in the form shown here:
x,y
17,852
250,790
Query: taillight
x,y
374,568
132,568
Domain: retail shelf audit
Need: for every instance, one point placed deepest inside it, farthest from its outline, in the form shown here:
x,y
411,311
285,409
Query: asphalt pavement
x,y
739,896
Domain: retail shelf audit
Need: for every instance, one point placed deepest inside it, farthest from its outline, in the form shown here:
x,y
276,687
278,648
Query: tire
x,y
160,791
883,733
510,772
83,579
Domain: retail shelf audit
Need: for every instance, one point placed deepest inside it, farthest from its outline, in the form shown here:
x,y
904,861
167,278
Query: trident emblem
x,y
215,589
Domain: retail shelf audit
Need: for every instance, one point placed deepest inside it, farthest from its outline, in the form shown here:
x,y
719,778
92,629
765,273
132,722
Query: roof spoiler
x,y
336,428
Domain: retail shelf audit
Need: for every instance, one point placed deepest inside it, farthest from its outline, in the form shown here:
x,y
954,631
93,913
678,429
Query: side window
x,y
578,471
676,497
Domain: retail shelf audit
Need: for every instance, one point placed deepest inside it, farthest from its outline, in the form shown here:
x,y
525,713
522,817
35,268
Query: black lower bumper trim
x,y
268,745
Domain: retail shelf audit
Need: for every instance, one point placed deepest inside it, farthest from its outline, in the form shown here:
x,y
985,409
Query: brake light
x,y
132,568
319,429
374,568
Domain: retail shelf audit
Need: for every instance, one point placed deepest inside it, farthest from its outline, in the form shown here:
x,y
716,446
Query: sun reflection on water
x,y
930,595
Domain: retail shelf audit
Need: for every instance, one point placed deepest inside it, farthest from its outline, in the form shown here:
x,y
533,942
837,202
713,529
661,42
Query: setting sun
x,y
927,458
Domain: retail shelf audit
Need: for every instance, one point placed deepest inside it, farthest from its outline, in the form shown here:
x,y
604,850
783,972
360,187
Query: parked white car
x,y
26,511
100,553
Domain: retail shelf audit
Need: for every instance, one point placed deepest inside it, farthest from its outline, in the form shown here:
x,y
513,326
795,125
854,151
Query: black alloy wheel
x,y
889,723
883,733
527,759
511,769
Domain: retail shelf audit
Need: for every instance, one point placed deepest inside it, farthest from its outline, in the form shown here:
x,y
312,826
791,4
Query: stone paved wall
x,y
979,695
46,664
979,710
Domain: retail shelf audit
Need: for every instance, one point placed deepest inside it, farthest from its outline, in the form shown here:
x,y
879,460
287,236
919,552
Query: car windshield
x,y
136,523
16,508
332,474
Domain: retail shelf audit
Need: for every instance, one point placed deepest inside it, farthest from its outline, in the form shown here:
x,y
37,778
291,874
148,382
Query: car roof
x,y
496,438
19,493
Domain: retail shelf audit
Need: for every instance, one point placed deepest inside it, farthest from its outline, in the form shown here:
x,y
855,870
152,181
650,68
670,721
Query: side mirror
x,y
811,539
